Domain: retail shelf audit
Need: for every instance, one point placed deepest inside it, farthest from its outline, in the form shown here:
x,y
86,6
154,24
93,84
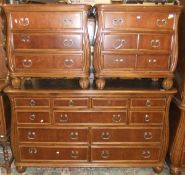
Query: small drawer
x,y
39,21
72,102
32,102
122,154
42,61
153,62
123,62
109,102
155,42
33,117
112,135
148,103
146,117
46,153
47,41
83,118
118,42
53,135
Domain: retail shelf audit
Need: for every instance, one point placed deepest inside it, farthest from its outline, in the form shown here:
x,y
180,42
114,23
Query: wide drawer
x,y
109,102
38,153
33,117
146,117
53,135
117,117
32,102
153,62
110,135
44,20
122,41
48,61
119,61
72,102
105,153
130,20
155,42
47,41
148,103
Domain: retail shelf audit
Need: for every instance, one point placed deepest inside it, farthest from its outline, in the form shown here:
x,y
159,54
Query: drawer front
x,y
117,42
39,21
146,117
126,135
119,61
72,102
155,42
32,102
154,62
48,61
148,103
47,41
124,20
90,117
53,135
33,117
54,153
109,102
125,154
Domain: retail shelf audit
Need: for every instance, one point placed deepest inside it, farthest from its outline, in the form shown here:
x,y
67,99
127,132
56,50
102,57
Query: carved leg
x,y
84,83
20,169
100,83
174,171
167,83
16,83
158,170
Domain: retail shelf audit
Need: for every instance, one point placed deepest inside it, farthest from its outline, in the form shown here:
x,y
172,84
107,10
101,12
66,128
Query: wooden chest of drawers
x,y
136,41
48,41
115,127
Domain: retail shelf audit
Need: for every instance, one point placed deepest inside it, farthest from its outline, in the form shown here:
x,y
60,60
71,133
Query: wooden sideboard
x,y
57,124
136,41
48,41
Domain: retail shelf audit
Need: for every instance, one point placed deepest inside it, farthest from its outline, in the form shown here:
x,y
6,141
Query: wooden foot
x,y
167,83
174,171
84,83
158,169
20,169
16,83
100,83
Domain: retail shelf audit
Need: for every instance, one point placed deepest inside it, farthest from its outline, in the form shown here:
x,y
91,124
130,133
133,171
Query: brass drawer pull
x,y
57,152
63,118
27,63
105,154
74,154
116,118
32,150
146,154
32,102
147,135
119,43
67,22
119,60
105,135
68,42
155,43
148,103
1,136
23,21
147,118
32,116
25,38
71,103
74,135
68,62
117,21
31,135
152,60
161,22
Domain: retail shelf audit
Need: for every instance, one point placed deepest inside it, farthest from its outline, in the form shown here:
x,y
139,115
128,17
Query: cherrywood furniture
x,y
57,124
136,41
49,41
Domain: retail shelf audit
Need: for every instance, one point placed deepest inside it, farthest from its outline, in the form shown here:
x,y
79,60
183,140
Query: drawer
x,y
109,102
124,62
48,61
47,41
155,42
125,154
183,159
122,41
40,21
83,118
146,117
153,62
33,117
125,20
46,153
110,135
32,102
72,102
53,135
148,103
